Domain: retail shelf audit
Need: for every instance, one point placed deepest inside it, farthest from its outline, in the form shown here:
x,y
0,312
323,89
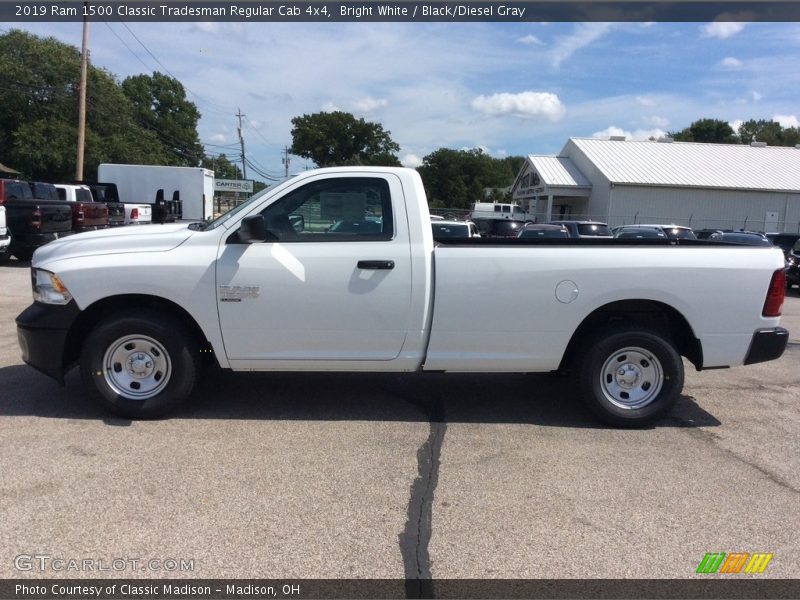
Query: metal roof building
x,y
701,185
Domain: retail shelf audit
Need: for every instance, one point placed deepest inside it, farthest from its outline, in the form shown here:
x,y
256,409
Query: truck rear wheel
x,y
631,377
141,365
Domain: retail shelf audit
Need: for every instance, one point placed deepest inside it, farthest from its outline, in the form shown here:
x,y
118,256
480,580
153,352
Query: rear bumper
x,y
35,240
42,331
767,344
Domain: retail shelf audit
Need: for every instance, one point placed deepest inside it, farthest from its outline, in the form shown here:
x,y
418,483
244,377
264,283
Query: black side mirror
x,y
253,230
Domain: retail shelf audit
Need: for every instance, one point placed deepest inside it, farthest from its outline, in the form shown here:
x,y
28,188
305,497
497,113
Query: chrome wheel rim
x,y
631,378
137,367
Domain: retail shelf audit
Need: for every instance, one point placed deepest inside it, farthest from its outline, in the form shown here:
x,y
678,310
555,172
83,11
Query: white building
x,y
701,185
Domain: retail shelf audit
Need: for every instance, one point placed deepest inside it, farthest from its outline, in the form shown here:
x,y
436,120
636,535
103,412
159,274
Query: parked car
x,y
454,229
542,230
5,240
785,241
751,238
672,232
498,228
793,266
32,222
87,215
792,271
585,229
356,227
107,194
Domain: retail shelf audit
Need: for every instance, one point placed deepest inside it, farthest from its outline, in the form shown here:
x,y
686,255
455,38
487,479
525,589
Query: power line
x,y
139,58
198,96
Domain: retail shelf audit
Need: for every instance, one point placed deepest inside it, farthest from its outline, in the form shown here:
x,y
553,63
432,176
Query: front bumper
x,y
767,344
42,331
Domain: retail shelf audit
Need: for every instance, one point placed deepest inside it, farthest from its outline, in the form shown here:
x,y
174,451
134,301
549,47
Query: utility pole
x,y
82,100
286,160
241,142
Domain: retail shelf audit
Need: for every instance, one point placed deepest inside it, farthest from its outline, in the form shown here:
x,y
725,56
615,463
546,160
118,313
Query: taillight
x,y
775,295
36,219
79,216
134,213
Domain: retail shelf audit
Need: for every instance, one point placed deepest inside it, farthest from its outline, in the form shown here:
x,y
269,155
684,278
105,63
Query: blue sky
x,y
507,88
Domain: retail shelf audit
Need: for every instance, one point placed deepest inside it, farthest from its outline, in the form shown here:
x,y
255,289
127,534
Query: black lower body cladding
x,y
767,344
42,333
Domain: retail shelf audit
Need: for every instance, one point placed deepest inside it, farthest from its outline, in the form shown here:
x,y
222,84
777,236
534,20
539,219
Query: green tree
x,y
458,178
338,138
160,106
712,131
770,132
222,167
39,112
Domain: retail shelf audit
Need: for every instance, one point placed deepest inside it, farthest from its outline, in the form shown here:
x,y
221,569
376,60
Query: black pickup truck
x,y
32,222
107,194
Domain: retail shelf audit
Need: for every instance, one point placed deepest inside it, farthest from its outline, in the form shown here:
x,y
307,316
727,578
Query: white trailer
x,y
140,184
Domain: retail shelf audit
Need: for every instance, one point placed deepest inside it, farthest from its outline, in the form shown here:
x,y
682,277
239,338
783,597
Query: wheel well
x,y
102,309
648,314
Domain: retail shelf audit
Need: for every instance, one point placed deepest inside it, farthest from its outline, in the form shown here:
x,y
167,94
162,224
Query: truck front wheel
x,y
141,365
631,377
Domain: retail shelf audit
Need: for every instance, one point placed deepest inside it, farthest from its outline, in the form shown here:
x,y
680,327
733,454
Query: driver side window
x,y
333,210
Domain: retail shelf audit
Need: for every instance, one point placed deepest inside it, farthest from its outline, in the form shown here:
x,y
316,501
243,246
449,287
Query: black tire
x,y
25,254
140,366
629,377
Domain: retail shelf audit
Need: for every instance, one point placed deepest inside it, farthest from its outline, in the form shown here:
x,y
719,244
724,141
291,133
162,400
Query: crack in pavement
x,y
712,439
416,534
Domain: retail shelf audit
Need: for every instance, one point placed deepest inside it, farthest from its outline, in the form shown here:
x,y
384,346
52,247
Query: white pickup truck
x,y
278,284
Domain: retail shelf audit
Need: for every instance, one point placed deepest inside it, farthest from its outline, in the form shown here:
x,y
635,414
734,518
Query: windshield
x,y
548,233
450,231
679,233
223,218
745,238
593,229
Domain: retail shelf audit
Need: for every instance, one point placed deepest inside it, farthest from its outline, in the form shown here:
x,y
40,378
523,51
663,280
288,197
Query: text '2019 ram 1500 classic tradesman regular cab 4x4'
x,y
275,285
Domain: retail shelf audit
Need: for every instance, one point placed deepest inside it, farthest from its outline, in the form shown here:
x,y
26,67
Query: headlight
x,y
48,288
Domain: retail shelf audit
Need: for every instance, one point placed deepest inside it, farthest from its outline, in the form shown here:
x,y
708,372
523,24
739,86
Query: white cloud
x,y
217,138
530,40
330,107
369,104
735,124
583,35
655,121
638,134
786,120
756,96
721,29
206,27
526,105
411,160
731,62
645,101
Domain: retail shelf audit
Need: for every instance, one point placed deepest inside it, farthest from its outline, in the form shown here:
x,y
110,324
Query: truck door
x,y
334,285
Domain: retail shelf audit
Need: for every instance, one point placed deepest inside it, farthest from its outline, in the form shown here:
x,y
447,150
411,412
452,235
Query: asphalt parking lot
x,y
385,476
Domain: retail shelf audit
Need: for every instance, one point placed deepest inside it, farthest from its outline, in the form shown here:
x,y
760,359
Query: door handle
x,y
375,264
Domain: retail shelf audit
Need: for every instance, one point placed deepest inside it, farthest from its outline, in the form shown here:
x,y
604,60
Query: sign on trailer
x,y
233,185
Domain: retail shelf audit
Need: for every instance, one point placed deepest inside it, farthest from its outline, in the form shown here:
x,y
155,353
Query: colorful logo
x,y
735,562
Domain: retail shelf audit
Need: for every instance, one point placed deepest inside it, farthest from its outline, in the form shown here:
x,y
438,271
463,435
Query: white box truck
x,y
136,184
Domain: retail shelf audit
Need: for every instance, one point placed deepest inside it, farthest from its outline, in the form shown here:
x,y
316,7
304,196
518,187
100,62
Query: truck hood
x,y
118,240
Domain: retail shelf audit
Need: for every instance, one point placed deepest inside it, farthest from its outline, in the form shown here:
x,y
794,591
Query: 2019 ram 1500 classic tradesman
x,y
275,285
